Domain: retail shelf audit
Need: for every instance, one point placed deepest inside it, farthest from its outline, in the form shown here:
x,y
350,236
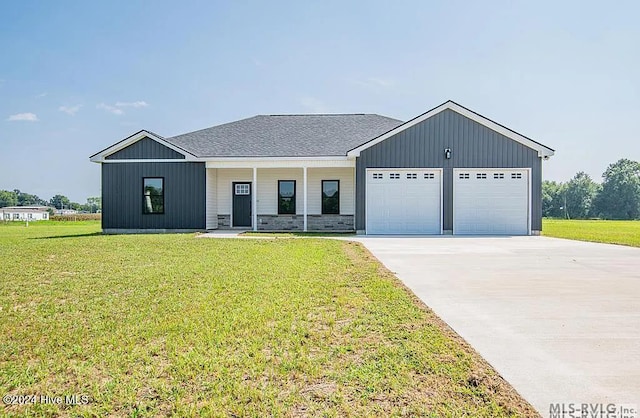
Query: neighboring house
x,y
449,170
24,213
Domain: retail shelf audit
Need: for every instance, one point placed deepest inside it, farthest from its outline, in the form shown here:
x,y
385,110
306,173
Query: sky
x,y
78,76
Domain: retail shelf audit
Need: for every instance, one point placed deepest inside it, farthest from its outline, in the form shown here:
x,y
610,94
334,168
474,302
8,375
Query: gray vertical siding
x,y
472,145
184,195
145,148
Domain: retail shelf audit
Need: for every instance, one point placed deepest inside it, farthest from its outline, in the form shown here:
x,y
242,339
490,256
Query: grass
x,y
161,325
610,232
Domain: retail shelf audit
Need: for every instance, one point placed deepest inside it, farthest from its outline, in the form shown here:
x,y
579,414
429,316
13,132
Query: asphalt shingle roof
x,y
286,135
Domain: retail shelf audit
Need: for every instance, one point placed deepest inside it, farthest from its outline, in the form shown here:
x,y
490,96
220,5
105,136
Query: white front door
x,y
491,201
404,201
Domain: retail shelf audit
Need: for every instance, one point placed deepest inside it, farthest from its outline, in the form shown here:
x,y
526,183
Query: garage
x,y
491,201
404,201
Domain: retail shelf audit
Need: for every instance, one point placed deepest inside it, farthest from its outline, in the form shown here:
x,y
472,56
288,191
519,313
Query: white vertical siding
x,y
226,177
347,189
212,201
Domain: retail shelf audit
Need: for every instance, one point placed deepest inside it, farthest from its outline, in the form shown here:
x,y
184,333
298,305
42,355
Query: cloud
x,y
28,117
110,109
140,103
70,110
313,104
41,95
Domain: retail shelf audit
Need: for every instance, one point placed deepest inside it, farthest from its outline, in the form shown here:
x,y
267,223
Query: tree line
x,y
617,197
19,198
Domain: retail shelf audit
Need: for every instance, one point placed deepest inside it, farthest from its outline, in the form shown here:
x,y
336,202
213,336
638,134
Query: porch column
x,y
254,200
304,205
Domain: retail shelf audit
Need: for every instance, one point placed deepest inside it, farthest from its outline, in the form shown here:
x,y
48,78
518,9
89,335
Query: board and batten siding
x,y
267,190
184,195
145,148
472,146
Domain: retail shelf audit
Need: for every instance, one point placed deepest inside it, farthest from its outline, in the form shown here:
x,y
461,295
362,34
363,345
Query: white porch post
x,y
254,198
304,205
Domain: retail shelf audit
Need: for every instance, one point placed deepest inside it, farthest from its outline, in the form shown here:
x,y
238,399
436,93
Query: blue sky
x,y
76,77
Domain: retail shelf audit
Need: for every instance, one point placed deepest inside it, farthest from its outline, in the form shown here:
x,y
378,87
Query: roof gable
x,y
142,145
543,151
146,148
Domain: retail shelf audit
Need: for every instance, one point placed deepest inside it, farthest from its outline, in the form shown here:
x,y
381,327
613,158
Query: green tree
x,y
579,194
94,204
26,199
620,194
552,199
59,201
8,198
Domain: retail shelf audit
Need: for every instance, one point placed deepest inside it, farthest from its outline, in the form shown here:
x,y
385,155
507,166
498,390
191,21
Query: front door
x,y
242,204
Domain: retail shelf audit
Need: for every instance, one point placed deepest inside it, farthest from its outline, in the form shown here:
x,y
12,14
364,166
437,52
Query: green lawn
x,y
611,232
159,325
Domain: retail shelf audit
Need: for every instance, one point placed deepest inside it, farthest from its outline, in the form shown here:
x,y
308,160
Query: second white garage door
x,y
404,201
491,202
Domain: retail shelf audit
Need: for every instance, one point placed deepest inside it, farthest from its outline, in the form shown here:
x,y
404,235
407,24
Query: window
x,y
463,175
242,189
394,176
45,216
377,175
516,175
286,197
153,195
429,176
498,175
412,176
330,197
481,175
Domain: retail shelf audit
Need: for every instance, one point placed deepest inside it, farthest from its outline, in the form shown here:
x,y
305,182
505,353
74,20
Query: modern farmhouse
x,y
449,170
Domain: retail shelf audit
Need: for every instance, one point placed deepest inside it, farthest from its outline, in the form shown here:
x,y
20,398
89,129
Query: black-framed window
x,y
286,197
153,195
330,197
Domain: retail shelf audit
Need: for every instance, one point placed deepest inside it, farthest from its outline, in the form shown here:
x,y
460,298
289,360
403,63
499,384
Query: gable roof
x,y
543,150
286,135
314,135
102,155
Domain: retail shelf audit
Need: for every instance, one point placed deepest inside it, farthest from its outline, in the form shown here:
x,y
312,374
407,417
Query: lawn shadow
x,y
92,234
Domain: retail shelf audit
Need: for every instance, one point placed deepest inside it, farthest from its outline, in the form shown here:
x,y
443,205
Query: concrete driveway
x,y
559,319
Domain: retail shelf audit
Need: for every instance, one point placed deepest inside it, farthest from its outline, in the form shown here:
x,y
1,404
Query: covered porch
x,y
281,195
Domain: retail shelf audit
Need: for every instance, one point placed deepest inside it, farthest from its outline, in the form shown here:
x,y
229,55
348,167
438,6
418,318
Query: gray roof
x,y
286,136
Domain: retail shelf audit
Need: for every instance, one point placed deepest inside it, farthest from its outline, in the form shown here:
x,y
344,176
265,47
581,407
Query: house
x,y
24,213
449,170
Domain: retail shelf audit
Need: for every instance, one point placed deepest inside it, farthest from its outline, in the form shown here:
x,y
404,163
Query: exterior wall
x,y
268,188
347,189
146,148
314,222
472,146
184,196
211,199
225,179
23,216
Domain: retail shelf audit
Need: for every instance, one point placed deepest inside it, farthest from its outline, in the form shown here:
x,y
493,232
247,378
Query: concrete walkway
x,y
559,319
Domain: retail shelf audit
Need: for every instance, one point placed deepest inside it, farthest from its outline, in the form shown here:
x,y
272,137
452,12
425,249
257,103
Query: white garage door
x,y
404,201
491,201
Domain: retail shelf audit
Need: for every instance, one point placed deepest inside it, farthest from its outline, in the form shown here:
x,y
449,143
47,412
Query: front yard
x,y
158,325
608,232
